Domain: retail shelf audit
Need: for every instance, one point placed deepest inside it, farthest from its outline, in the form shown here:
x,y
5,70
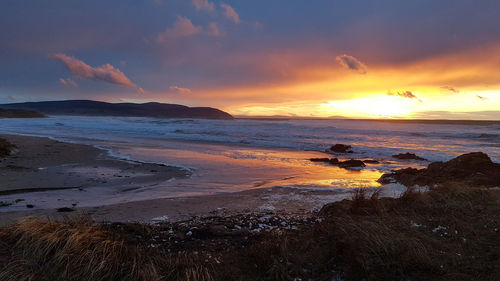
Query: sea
x,y
235,155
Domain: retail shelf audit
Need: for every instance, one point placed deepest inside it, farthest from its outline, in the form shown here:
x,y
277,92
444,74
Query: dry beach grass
x,y
447,233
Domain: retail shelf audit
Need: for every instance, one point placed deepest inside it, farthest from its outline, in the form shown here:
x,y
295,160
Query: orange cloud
x,y
352,63
304,82
230,13
105,73
180,90
404,94
68,82
213,30
183,27
203,5
451,89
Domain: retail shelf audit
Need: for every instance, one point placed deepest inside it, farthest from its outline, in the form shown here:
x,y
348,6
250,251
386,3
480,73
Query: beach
x,y
219,209
73,173
147,169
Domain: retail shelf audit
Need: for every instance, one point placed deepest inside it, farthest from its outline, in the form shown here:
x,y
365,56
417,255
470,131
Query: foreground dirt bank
x,y
448,233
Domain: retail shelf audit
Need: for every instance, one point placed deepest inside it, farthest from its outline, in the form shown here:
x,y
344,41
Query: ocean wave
x,y
368,138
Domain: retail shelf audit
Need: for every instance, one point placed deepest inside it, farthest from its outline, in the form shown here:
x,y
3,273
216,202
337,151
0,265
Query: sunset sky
x,y
369,59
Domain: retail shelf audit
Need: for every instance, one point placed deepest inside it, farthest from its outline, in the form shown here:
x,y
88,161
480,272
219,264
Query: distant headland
x,y
98,108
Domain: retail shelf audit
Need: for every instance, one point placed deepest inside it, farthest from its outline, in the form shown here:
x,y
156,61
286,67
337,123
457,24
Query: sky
x,y
427,59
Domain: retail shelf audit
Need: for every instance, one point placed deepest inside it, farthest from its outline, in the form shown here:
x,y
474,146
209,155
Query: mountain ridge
x,y
99,108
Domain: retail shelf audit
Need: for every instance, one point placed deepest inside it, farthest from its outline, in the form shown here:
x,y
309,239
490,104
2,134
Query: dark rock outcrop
x,y
64,209
351,164
371,161
97,108
341,148
408,156
6,147
325,160
343,164
474,168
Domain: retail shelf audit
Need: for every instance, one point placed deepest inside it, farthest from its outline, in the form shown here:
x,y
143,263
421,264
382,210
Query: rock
x,y
211,231
5,204
268,209
351,163
325,160
474,169
320,160
370,161
6,147
343,164
333,161
29,206
408,156
402,176
341,148
64,209
161,219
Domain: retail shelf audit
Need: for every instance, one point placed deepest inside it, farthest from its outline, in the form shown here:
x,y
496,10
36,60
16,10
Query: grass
x,y
19,113
447,233
79,249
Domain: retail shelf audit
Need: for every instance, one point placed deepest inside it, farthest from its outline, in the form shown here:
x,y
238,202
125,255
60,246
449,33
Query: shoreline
x,y
63,168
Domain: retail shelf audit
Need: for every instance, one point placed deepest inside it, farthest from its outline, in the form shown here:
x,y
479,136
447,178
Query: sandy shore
x,y
43,164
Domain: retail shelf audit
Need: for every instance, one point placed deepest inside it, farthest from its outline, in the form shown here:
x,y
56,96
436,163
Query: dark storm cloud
x,y
351,63
404,94
451,89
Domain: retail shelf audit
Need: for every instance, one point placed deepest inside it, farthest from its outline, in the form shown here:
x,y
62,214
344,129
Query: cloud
x,y
481,97
180,90
230,13
183,27
404,94
451,89
68,82
106,73
140,90
213,30
352,63
203,5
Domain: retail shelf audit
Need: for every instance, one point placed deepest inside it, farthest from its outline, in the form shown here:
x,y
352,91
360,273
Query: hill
x,y
97,108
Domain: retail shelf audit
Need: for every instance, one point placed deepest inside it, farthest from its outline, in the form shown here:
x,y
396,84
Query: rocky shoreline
x,y
475,169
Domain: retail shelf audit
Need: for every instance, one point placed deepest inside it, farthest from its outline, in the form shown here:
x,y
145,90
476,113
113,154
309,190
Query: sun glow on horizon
x,y
377,106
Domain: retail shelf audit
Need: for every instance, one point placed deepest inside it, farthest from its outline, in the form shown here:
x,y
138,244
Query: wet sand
x,y
44,164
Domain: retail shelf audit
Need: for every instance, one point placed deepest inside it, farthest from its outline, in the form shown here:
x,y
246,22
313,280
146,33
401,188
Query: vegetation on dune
x,y
447,233
79,249
19,113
